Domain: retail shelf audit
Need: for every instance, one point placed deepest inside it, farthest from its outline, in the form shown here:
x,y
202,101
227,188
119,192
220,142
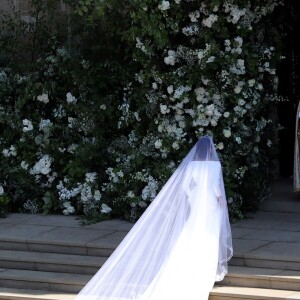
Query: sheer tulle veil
x,y
135,263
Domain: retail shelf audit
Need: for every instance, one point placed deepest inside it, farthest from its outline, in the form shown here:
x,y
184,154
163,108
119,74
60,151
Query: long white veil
x,y
135,263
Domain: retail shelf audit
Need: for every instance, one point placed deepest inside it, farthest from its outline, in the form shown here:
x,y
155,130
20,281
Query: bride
x,y
182,243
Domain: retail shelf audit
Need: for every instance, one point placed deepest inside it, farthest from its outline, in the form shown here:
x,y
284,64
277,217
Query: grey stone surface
x,y
23,232
16,218
278,251
243,246
238,233
69,235
274,235
109,241
53,220
120,225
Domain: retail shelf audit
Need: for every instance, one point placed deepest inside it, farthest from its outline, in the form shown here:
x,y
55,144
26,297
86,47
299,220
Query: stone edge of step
x,y
16,294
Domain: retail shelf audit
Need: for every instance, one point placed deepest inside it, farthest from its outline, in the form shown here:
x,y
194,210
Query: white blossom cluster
x,y
221,100
84,192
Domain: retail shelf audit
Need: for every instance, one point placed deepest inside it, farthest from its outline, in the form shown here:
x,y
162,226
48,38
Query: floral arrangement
x,y
206,68
195,68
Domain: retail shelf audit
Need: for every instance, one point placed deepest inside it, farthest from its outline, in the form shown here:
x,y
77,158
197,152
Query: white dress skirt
x,y
190,271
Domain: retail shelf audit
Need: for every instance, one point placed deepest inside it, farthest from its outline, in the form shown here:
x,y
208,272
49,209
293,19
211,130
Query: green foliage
x,y
100,103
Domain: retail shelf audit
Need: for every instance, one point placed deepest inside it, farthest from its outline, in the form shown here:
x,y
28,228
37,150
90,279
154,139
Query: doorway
x,y
289,86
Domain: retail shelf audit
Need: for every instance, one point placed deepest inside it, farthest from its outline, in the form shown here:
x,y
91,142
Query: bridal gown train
x,y
182,243
190,271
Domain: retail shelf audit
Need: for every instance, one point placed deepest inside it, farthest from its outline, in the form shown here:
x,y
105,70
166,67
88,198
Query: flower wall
x,y
100,138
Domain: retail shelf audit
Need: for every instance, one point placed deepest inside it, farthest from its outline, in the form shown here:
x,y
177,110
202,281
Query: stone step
x,y
26,294
38,280
103,250
53,262
246,293
263,278
218,293
266,262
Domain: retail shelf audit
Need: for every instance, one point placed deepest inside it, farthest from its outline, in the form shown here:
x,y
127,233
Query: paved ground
x,y
266,233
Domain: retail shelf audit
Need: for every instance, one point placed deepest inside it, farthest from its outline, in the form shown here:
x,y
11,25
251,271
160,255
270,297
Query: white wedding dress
x,y
182,243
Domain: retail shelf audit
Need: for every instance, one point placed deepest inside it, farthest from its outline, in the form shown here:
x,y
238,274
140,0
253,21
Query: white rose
x,y
27,125
165,5
170,89
220,146
213,122
226,114
43,98
237,89
175,146
227,133
71,98
1,190
105,209
97,195
158,144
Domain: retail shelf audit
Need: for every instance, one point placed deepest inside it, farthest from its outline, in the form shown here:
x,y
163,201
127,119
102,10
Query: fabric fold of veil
x,y
144,252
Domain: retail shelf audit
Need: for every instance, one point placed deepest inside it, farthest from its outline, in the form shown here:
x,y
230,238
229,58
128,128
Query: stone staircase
x,y
53,257
26,275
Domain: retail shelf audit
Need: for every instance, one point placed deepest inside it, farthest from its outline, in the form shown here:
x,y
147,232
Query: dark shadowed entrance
x,y
289,86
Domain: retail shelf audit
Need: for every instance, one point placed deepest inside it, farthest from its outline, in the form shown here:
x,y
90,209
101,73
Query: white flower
x,y
158,144
211,59
72,148
71,121
269,143
90,177
45,124
1,190
241,102
237,89
130,194
251,82
24,165
97,195
164,109
105,209
86,193
239,41
69,209
43,98
103,106
208,22
209,110
227,133
175,146
226,114
171,58
11,151
165,5
71,98
220,146
170,89
154,86
27,125
238,140
120,173
43,166
213,122
260,87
